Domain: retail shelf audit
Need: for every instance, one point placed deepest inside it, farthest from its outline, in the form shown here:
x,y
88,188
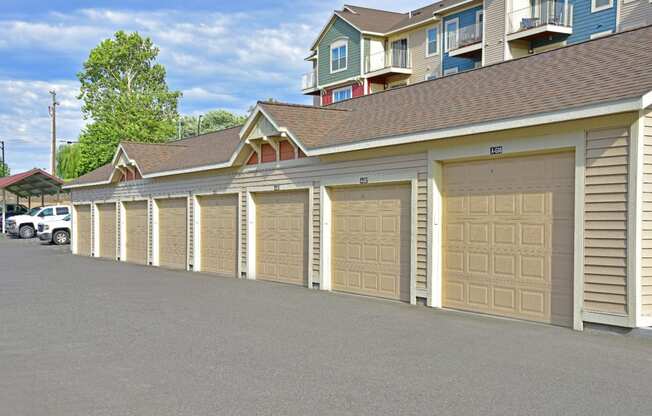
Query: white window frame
x,y
601,34
336,45
451,71
477,21
595,9
349,89
436,29
455,21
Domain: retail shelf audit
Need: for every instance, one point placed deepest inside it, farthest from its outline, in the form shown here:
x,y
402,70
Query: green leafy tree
x,y
125,96
4,170
211,121
68,157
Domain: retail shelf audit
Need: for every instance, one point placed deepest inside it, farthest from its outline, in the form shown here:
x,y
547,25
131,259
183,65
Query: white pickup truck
x,y
25,226
55,231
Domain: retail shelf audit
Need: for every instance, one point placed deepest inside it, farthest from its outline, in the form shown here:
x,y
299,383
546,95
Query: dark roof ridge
x,y
353,6
312,107
420,83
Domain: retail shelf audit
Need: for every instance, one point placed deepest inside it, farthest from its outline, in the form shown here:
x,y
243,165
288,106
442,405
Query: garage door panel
x,y
282,236
83,230
107,230
173,228
371,240
508,243
136,230
219,234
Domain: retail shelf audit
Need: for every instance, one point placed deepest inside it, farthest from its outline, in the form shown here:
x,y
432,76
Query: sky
x,y
220,54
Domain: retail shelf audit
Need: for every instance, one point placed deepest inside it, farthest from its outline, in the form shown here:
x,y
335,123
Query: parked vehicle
x,y
25,226
12,210
55,231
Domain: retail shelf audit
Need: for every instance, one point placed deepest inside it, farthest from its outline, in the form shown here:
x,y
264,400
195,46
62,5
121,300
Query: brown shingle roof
x,y
383,21
602,70
206,149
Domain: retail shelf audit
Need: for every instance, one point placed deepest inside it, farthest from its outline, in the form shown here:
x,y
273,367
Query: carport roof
x,y
35,182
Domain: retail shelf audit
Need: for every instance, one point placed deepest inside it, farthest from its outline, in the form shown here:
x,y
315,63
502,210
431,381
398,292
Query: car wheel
x,y
60,238
26,231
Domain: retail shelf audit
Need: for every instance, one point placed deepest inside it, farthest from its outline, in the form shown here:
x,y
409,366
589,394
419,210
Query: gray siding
x,y
422,64
605,221
308,175
634,14
494,18
646,261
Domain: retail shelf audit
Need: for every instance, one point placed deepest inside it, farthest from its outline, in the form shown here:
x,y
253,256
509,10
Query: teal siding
x,y
339,29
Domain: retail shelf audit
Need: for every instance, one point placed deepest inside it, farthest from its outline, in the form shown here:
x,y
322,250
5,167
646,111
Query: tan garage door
x,y
172,237
83,230
282,236
136,231
371,240
508,237
219,234
107,230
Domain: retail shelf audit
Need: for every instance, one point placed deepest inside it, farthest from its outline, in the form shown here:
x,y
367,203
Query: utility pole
x,y
52,109
179,128
4,192
4,165
199,124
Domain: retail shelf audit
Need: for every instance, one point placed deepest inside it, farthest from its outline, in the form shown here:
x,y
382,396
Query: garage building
x,y
527,206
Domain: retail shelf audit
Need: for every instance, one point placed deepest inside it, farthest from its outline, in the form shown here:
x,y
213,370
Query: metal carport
x,y
33,183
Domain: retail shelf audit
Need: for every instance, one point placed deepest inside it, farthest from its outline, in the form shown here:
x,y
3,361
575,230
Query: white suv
x,y
25,226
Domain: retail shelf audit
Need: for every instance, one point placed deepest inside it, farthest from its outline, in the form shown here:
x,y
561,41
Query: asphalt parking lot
x,y
81,336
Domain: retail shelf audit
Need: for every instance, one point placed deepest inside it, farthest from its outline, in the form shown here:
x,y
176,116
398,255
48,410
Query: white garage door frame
x,y
251,225
96,226
513,146
326,219
156,235
123,225
196,215
73,231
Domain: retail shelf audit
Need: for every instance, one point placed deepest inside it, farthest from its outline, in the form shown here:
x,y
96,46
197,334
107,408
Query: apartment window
x,y
599,5
432,47
451,29
338,55
479,19
450,71
342,94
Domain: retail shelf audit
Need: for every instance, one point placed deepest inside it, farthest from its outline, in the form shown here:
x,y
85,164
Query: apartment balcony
x,y
540,20
467,43
309,83
381,65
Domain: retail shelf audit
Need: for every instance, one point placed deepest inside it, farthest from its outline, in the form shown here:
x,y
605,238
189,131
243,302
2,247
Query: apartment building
x,y
361,50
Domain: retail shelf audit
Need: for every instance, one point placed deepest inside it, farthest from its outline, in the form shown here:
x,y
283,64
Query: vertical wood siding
x,y
605,219
646,261
308,175
494,20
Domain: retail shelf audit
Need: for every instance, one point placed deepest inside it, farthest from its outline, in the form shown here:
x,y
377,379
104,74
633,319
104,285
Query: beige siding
x,y
646,261
422,64
633,14
308,175
605,229
494,18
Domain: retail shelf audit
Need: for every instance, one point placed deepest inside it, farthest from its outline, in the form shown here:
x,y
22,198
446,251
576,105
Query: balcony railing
x,y
467,35
396,58
309,80
556,13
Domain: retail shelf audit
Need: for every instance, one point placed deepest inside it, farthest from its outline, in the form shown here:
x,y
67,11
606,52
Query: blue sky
x,y
219,54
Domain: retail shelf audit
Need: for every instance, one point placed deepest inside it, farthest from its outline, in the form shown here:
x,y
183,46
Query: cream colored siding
x,y
308,174
422,65
135,231
107,230
173,232
605,235
494,20
634,14
646,261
